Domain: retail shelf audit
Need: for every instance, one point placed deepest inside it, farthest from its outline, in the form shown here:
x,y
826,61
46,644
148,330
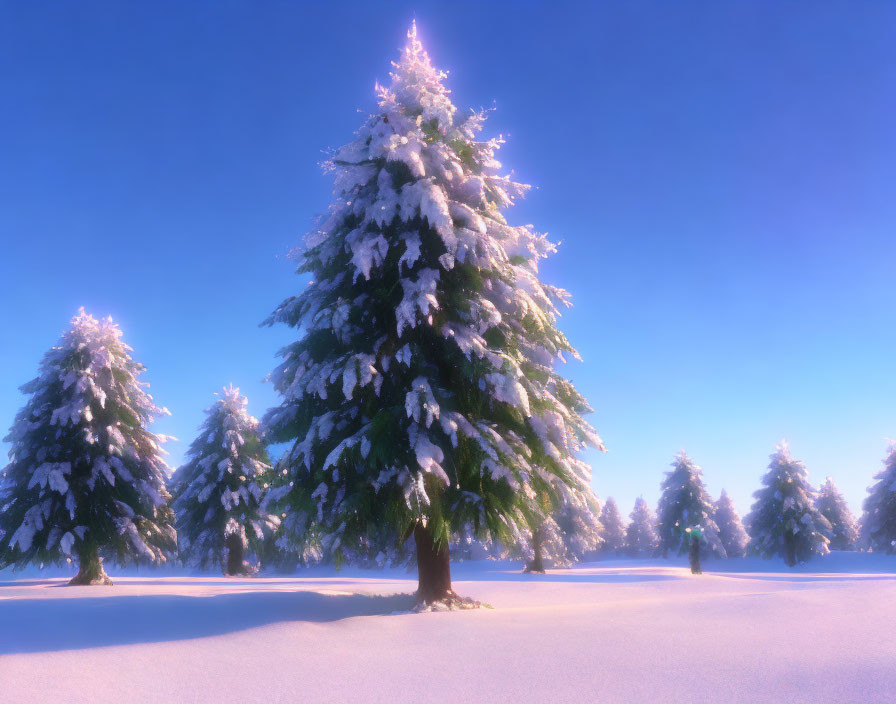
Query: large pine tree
x,y
731,529
685,504
86,478
879,518
423,393
220,489
784,521
640,536
613,528
844,533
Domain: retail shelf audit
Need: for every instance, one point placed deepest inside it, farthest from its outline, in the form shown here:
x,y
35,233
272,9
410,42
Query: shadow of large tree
x,y
51,624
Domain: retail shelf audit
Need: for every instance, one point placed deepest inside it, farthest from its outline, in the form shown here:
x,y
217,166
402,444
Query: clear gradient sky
x,y
722,176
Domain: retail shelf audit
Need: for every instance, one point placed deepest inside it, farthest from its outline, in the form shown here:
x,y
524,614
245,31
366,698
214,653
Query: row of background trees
x,y
225,500
421,409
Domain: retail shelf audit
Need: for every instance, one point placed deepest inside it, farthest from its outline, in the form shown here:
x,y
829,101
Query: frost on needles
x,y
86,479
784,521
220,489
422,394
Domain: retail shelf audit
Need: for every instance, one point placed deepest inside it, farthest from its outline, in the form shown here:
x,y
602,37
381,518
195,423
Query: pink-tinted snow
x,y
633,631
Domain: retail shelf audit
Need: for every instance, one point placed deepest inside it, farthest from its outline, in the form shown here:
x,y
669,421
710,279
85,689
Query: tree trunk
x,y
433,568
694,555
790,549
90,568
235,552
536,564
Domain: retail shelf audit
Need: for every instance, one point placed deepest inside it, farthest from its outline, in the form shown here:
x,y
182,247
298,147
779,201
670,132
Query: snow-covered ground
x,y
622,630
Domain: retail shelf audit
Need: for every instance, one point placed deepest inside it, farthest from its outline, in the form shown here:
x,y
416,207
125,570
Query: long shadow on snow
x,y
47,624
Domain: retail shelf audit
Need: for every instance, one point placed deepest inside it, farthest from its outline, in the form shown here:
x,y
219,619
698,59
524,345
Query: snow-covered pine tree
x,y
221,487
423,393
684,504
613,528
568,534
579,523
640,536
784,520
844,534
731,529
879,517
86,479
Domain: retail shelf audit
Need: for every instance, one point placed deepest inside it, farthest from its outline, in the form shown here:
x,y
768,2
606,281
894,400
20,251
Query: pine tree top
x,y
786,473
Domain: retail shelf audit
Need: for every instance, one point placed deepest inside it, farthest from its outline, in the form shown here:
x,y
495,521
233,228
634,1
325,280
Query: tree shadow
x,y
52,624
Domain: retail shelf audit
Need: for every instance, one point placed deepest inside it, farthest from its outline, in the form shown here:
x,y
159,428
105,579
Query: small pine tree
x,y
613,528
844,534
879,518
579,523
423,394
731,530
566,536
86,478
221,487
784,521
640,537
685,504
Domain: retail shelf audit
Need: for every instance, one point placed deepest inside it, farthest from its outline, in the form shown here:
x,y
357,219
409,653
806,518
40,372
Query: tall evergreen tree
x,y
784,520
86,479
423,393
731,529
879,518
221,487
613,527
640,536
685,504
844,533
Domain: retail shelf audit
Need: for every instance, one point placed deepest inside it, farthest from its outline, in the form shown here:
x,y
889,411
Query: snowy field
x,y
635,631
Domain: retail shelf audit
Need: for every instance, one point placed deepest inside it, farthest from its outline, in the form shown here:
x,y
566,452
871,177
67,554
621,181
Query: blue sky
x,y
720,174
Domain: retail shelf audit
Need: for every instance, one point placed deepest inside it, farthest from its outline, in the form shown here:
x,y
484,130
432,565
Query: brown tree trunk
x,y
694,555
235,553
90,568
433,568
790,549
536,564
